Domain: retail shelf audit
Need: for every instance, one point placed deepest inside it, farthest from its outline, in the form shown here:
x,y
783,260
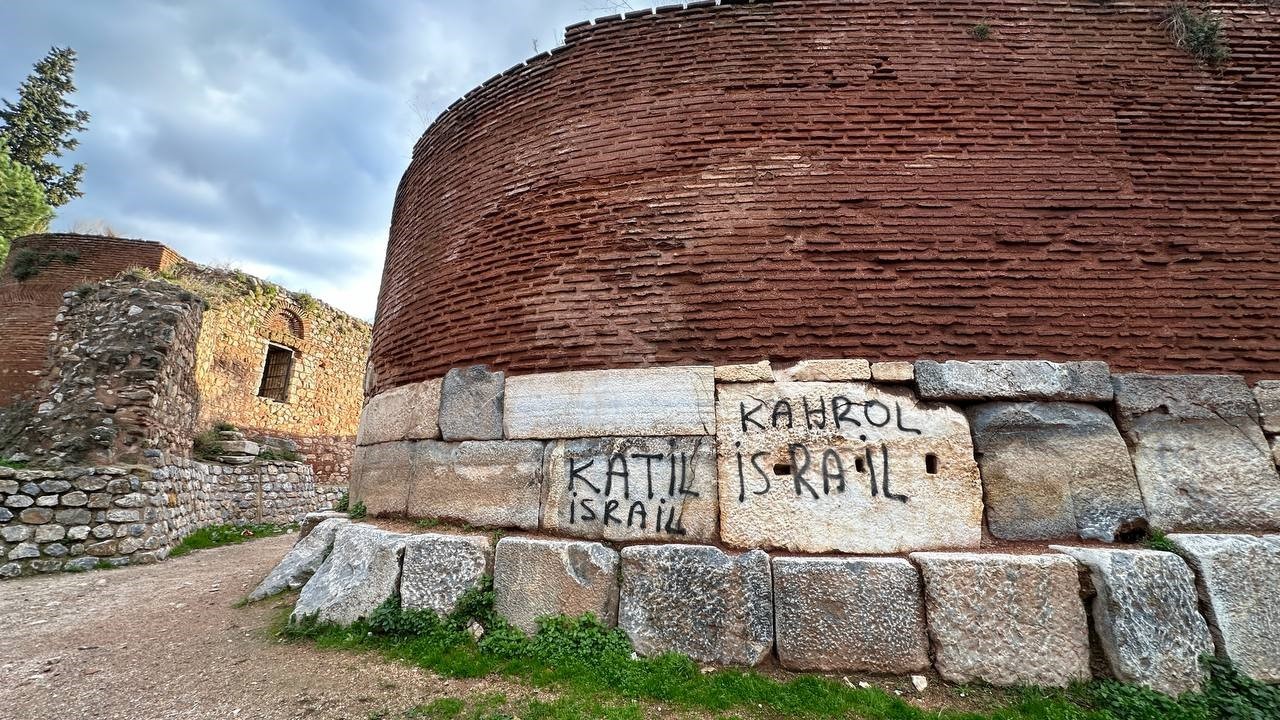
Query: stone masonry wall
x,y
77,517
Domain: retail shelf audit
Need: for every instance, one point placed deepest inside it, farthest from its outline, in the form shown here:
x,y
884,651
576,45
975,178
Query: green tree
x,y
42,123
23,209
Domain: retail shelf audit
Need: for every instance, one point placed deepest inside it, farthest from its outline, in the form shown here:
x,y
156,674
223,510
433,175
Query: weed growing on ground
x,y
279,454
358,511
344,502
219,535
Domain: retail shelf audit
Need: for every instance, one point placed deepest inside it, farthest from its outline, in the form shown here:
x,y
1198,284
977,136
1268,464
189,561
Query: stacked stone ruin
x,y
831,514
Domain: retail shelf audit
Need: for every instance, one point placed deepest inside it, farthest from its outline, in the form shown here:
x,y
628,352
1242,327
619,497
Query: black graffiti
x,y
816,416
614,495
831,470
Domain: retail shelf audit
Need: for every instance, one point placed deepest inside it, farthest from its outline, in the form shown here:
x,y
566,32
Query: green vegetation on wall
x,y
1198,32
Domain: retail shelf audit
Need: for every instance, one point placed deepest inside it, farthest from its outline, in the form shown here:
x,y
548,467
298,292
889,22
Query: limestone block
x,y
1146,617
534,577
408,412
634,488
491,483
1238,578
699,601
1013,380
1005,619
313,519
849,614
604,403
1201,458
895,371
239,447
1267,393
835,370
471,404
1053,470
36,515
361,572
849,467
754,372
380,477
439,569
301,562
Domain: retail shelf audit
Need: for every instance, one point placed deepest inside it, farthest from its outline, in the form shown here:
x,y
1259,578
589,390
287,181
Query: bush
x,y
981,31
358,511
1197,32
344,502
27,263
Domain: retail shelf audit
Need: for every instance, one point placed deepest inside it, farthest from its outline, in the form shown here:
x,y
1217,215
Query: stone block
x,y
1146,616
471,404
1200,456
18,501
1005,619
1014,380
753,372
239,447
490,483
73,516
1054,470
301,562
634,488
408,412
24,551
849,614
848,467
699,601
380,477
533,577
1267,393
49,533
16,533
36,515
361,572
313,519
605,403
1238,579
439,569
832,370
895,371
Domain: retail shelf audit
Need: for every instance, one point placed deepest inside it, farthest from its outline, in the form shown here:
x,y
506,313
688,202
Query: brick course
x,y
829,179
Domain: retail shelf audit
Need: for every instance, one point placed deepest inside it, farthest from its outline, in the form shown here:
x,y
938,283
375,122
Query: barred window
x,y
276,372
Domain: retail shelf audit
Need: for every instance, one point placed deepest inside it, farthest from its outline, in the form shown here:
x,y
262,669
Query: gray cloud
x,y
269,135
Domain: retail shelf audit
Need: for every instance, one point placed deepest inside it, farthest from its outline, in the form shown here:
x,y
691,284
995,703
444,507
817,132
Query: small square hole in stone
x,y
931,463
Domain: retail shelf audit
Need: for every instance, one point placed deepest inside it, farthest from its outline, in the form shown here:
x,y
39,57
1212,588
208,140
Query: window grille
x,y
276,373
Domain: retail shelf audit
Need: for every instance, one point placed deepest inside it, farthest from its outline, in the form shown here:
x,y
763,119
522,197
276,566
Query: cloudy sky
x,y
268,134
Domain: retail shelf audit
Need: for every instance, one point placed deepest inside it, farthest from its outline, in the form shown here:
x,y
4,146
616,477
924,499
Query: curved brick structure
x,y
827,179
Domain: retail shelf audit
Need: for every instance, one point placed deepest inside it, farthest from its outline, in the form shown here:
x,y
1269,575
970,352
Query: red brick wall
x,y
28,307
814,179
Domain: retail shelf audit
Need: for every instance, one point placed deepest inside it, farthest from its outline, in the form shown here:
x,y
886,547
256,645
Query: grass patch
x,y
596,674
13,465
1198,32
1158,540
358,511
980,31
219,535
271,453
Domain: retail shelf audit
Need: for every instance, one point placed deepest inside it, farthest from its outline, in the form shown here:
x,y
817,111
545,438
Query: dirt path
x,y
163,641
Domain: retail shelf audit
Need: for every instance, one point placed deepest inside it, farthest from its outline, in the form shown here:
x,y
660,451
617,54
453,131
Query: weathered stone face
x,y
838,370
850,467
1013,380
1200,456
1053,470
1146,617
632,488
439,569
301,562
606,403
408,412
361,572
893,371
1238,578
380,477
699,601
483,483
754,372
849,614
533,578
1005,619
1267,393
471,404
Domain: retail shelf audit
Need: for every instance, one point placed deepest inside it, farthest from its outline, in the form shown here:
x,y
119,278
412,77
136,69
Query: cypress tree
x,y
41,125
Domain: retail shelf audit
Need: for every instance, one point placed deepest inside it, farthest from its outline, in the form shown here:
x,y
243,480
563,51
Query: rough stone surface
x,y
604,403
471,404
380,477
1200,456
479,482
361,572
1053,470
301,562
638,488
1005,619
439,569
408,412
1238,578
1267,393
1146,616
893,371
753,372
312,519
1013,380
835,370
533,577
909,478
849,614
699,601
